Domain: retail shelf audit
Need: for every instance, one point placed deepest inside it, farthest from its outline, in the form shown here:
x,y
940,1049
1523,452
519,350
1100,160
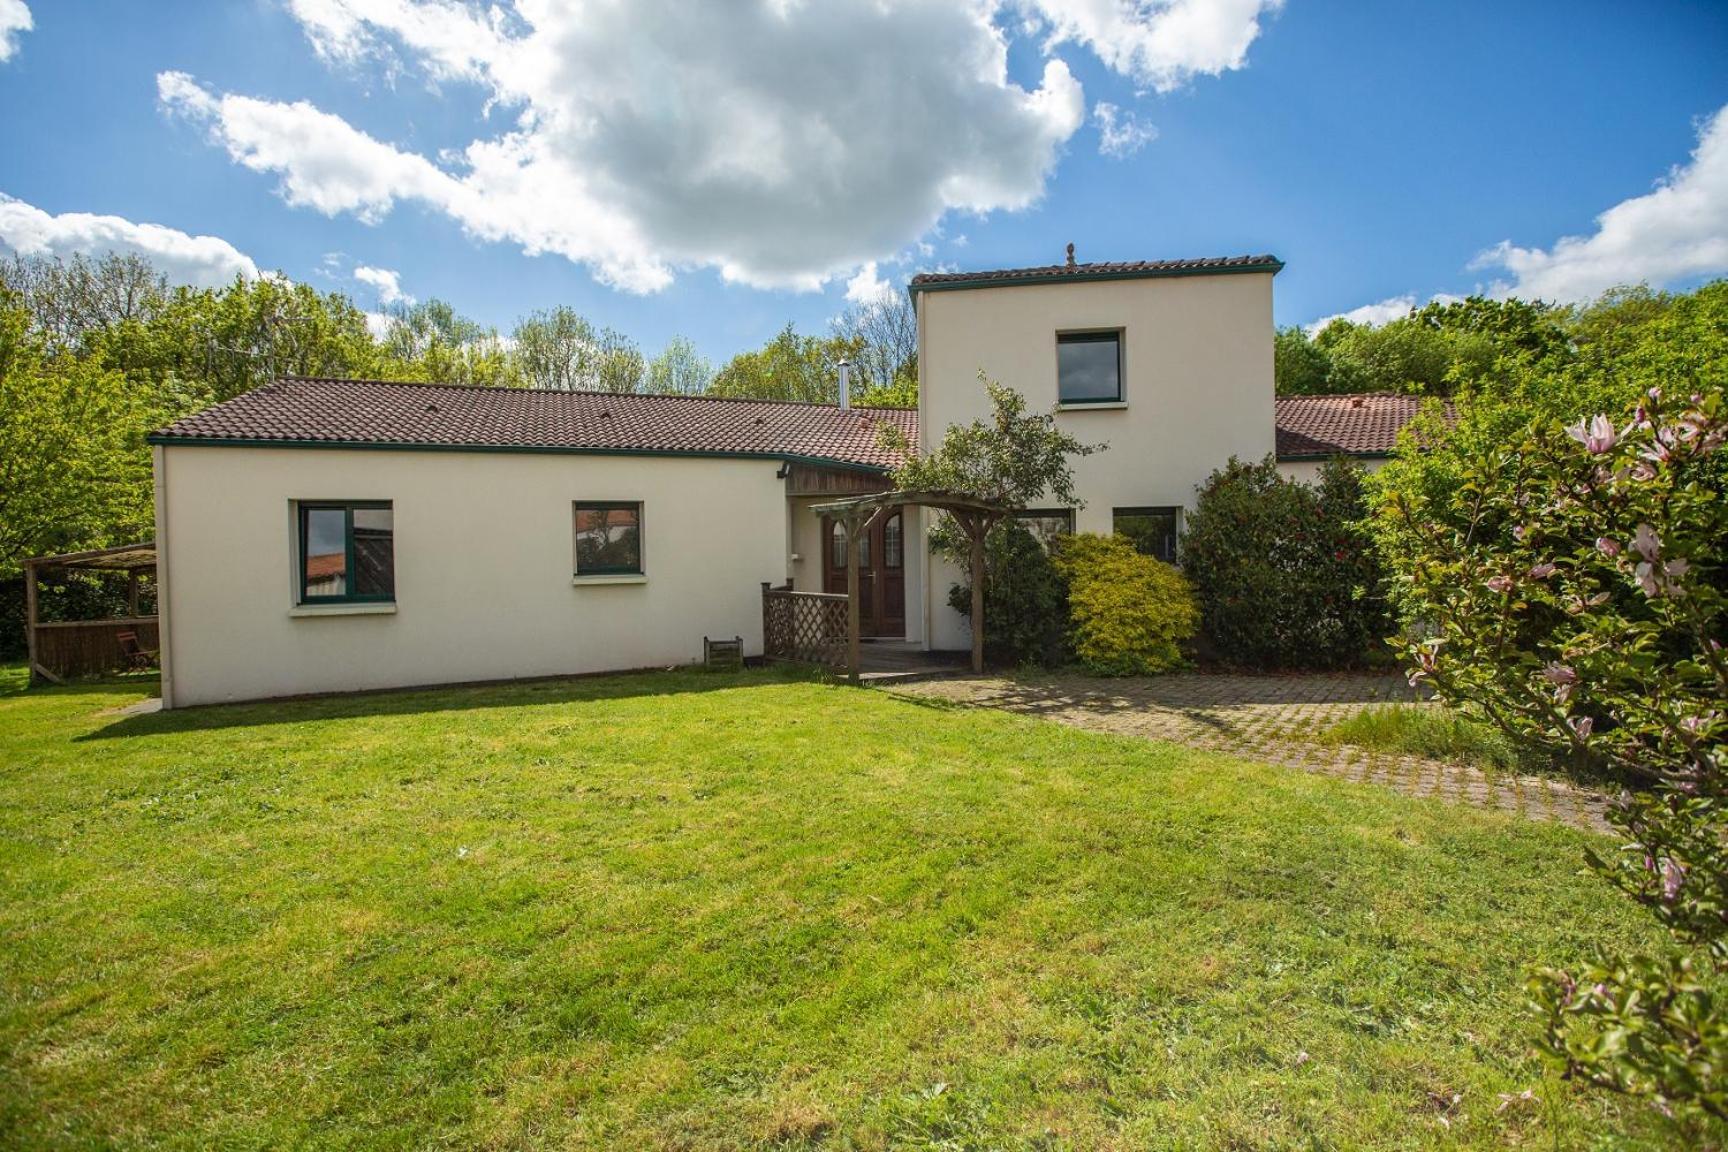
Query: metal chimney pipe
x,y
845,384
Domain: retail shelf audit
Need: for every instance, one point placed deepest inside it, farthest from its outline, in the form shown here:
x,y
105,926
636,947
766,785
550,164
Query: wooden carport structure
x,y
975,516
65,648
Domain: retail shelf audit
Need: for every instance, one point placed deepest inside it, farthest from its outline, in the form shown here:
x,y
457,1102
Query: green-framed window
x,y
1152,531
1089,367
608,538
347,551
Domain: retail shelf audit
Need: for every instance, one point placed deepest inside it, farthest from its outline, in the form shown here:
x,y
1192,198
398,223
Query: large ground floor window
x,y
1152,530
347,552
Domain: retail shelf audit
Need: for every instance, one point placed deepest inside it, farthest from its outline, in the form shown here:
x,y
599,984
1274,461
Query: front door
x,y
881,572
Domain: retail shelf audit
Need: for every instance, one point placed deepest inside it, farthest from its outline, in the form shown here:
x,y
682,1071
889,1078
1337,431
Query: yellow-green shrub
x,y
1128,613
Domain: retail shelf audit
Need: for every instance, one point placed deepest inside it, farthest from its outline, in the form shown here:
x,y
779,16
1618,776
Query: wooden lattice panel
x,y
806,627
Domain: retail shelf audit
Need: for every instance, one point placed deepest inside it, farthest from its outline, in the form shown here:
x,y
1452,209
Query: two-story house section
x,y
1167,362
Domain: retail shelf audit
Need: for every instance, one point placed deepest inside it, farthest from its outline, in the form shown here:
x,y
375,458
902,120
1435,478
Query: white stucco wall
x,y
1308,471
1197,385
483,550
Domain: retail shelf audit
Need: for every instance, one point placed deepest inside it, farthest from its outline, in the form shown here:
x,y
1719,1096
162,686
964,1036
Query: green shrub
x,y
1128,614
1286,579
1025,600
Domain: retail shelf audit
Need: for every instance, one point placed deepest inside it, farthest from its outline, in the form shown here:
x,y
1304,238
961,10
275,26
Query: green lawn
x,y
711,911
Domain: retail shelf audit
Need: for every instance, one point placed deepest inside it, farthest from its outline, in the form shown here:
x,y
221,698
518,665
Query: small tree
x,y
1011,460
1573,591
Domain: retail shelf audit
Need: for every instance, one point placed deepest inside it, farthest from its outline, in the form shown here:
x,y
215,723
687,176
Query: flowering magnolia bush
x,y
1573,590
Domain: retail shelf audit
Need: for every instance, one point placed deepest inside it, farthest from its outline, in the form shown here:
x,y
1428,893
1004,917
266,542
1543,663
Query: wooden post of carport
x,y
30,616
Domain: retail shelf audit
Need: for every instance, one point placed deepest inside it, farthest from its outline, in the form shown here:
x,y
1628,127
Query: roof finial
x,y
1070,254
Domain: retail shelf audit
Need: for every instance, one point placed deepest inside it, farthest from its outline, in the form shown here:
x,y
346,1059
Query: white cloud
x,y
1677,231
203,261
1160,43
14,19
386,281
782,142
1120,134
867,287
1372,315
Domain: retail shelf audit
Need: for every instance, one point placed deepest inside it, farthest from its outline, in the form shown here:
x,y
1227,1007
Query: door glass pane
x,y
326,532
891,546
836,545
374,552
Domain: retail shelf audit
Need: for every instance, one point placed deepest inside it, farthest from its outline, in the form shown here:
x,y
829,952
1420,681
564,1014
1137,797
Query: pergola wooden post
x,y
132,560
974,515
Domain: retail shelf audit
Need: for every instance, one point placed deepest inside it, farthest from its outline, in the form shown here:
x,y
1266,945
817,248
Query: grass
x,y
1428,730
695,911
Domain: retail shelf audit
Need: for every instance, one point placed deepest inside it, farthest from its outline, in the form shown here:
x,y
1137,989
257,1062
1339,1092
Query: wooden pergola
x,y
974,515
89,643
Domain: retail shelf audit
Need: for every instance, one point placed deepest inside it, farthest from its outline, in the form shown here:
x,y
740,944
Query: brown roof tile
x,y
1359,424
1119,271
308,411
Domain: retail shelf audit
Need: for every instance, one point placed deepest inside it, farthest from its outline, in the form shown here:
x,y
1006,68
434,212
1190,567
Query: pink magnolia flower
x,y
1673,876
1645,575
1500,584
1581,726
1597,437
1542,571
1607,546
1647,542
1558,673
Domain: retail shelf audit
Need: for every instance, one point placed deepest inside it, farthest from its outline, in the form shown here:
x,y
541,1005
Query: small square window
x,y
347,552
1046,524
1089,367
608,538
1152,531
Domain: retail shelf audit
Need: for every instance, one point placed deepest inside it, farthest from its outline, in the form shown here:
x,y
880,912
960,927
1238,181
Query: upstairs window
x,y
608,538
347,552
1152,531
1089,368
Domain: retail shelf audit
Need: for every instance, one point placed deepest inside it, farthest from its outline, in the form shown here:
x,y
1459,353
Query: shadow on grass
x,y
444,698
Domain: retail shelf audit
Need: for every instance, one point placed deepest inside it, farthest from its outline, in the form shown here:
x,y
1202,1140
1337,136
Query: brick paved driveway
x,y
1269,718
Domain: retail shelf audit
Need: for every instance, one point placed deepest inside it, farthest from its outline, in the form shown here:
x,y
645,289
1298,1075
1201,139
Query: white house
x,y
331,535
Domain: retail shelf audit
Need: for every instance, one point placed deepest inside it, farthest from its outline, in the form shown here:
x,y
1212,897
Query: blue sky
x,y
718,170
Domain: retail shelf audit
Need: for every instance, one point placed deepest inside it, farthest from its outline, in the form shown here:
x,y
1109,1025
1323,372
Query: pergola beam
x,y
976,516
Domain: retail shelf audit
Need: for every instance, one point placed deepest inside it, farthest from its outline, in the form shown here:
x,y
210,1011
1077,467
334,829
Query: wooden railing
x,y
806,627
91,647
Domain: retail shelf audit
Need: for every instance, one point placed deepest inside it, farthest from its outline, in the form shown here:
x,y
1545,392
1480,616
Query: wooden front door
x,y
881,572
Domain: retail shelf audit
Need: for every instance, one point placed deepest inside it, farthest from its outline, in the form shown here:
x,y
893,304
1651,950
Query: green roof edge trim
x,y
511,449
1272,266
1334,455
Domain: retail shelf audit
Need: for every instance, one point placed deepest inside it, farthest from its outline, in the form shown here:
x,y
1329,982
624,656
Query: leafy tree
x,y
73,470
1572,589
69,300
679,369
1014,458
882,339
559,348
1299,366
804,369
1285,577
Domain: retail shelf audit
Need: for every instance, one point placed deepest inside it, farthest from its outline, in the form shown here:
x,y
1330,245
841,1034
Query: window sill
x,y
379,609
1101,404
611,578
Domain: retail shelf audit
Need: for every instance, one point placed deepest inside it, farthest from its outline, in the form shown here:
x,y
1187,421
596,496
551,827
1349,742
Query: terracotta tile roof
x,y
1123,271
1360,424
307,411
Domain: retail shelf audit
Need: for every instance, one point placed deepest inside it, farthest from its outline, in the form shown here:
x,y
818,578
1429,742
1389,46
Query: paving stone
x,y
1276,719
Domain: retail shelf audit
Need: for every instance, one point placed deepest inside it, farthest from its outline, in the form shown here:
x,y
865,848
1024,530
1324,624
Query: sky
x,y
718,169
